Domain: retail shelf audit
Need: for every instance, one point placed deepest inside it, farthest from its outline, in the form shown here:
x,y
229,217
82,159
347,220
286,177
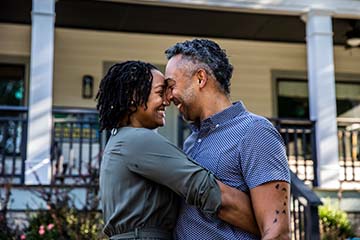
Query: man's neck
x,y
214,105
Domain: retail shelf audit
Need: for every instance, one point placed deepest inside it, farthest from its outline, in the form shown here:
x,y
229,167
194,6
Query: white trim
x,y
37,163
340,8
322,99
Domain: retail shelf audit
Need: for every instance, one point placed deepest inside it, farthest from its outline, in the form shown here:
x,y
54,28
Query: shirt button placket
x,y
196,147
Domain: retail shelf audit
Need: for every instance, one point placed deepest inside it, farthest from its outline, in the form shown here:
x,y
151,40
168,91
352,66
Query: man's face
x,y
181,88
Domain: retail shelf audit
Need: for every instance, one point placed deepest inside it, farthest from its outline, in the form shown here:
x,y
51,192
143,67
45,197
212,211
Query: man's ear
x,y
202,77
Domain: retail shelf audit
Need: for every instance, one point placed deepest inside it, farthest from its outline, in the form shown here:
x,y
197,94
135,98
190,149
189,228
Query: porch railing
x,y
304,211
299,139
13,132
77,145
349,149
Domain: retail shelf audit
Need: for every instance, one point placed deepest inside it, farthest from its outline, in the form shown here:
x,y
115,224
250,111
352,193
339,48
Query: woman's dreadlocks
x,y
125,86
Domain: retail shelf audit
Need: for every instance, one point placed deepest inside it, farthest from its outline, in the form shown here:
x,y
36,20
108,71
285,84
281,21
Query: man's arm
x,y
271,203
265,167
236,209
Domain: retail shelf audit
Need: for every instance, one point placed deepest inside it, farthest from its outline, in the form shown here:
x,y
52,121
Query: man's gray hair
x,y
208,55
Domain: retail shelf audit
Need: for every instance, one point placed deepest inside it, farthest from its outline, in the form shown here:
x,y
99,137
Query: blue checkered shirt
x,y
244,151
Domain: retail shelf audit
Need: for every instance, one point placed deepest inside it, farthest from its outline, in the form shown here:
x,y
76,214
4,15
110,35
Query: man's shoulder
x,y
248,120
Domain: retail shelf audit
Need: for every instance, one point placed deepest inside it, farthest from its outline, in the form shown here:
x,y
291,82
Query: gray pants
x,y
146,233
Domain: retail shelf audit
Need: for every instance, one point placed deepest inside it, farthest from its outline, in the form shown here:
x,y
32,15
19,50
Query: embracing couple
x,y
231,181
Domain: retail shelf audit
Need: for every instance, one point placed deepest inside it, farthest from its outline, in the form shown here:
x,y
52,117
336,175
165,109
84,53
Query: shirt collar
x,y
218,118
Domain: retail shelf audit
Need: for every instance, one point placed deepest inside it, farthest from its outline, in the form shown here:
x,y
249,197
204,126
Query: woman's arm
x,y
157,159
236,209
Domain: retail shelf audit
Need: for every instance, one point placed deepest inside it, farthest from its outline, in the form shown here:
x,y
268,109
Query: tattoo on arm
x,y
280,212
277,212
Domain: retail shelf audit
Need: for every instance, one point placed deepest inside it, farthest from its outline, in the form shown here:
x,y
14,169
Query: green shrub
x,y
66,223
334,222
63,220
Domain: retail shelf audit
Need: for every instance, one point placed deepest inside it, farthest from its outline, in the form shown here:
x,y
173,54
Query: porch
x,y
77,146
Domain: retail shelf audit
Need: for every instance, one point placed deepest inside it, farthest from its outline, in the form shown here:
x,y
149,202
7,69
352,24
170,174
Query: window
x,y
12,84
293,102
12,79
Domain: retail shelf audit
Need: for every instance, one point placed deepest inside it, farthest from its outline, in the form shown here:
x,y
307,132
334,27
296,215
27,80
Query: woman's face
x,y
154,115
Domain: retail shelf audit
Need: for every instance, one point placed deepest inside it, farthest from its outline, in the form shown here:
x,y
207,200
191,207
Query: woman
x,y
142,172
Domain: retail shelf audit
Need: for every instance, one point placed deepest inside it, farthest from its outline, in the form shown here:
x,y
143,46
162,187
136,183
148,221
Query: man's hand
x,y
236,209
271,203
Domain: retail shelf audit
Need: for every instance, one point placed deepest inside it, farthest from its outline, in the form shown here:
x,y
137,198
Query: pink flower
x,y
41,230
50,226
23,237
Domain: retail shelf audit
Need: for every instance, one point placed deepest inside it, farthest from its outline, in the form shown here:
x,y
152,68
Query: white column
x,y
321,75
37,166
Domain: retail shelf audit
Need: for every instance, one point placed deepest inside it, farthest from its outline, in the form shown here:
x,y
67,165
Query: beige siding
x,y
87,50
14,40
79,52
82,52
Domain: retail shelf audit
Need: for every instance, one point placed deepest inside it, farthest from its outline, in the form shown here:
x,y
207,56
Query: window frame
x,y
20,60
295,75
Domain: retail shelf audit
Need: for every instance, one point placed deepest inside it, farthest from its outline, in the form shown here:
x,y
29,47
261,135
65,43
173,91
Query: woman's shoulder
x,y
141,131
142,139
143,134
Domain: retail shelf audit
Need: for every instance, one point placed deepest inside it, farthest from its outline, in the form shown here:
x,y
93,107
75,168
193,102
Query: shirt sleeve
x,y
155,158
262,155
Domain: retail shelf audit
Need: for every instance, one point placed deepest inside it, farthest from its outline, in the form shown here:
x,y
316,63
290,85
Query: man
x,y
242,149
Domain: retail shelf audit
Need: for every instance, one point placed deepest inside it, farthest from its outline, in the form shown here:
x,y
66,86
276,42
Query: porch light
x,y
87,86
353,35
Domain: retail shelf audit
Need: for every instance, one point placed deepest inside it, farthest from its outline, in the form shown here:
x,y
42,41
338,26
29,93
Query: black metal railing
x,y
299,139
349,149
13,136
304,211
77,145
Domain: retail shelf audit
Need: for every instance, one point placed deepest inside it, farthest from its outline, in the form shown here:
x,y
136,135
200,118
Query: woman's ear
x,y
132,106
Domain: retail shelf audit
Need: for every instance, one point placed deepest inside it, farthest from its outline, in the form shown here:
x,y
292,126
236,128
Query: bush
x,y
62,220
334,222
67,223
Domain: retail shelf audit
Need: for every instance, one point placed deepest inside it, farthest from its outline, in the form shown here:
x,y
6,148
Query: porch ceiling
x,y
126,17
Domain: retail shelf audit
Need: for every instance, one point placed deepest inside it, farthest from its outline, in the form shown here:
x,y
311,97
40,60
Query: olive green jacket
x,y
141,173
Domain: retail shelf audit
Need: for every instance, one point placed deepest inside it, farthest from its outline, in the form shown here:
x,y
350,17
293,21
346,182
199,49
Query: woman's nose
x,y
166,102
168,95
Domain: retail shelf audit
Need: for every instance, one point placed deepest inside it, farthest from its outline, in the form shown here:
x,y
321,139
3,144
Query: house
x,y
296,62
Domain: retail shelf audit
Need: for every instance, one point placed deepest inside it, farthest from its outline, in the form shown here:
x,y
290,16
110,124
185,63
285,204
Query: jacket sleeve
x,y
155,158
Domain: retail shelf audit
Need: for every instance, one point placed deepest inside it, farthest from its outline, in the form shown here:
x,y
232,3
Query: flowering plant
x,y
63,220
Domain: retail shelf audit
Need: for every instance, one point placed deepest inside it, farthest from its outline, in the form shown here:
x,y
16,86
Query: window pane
x,y
293,99
12,84
348,100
